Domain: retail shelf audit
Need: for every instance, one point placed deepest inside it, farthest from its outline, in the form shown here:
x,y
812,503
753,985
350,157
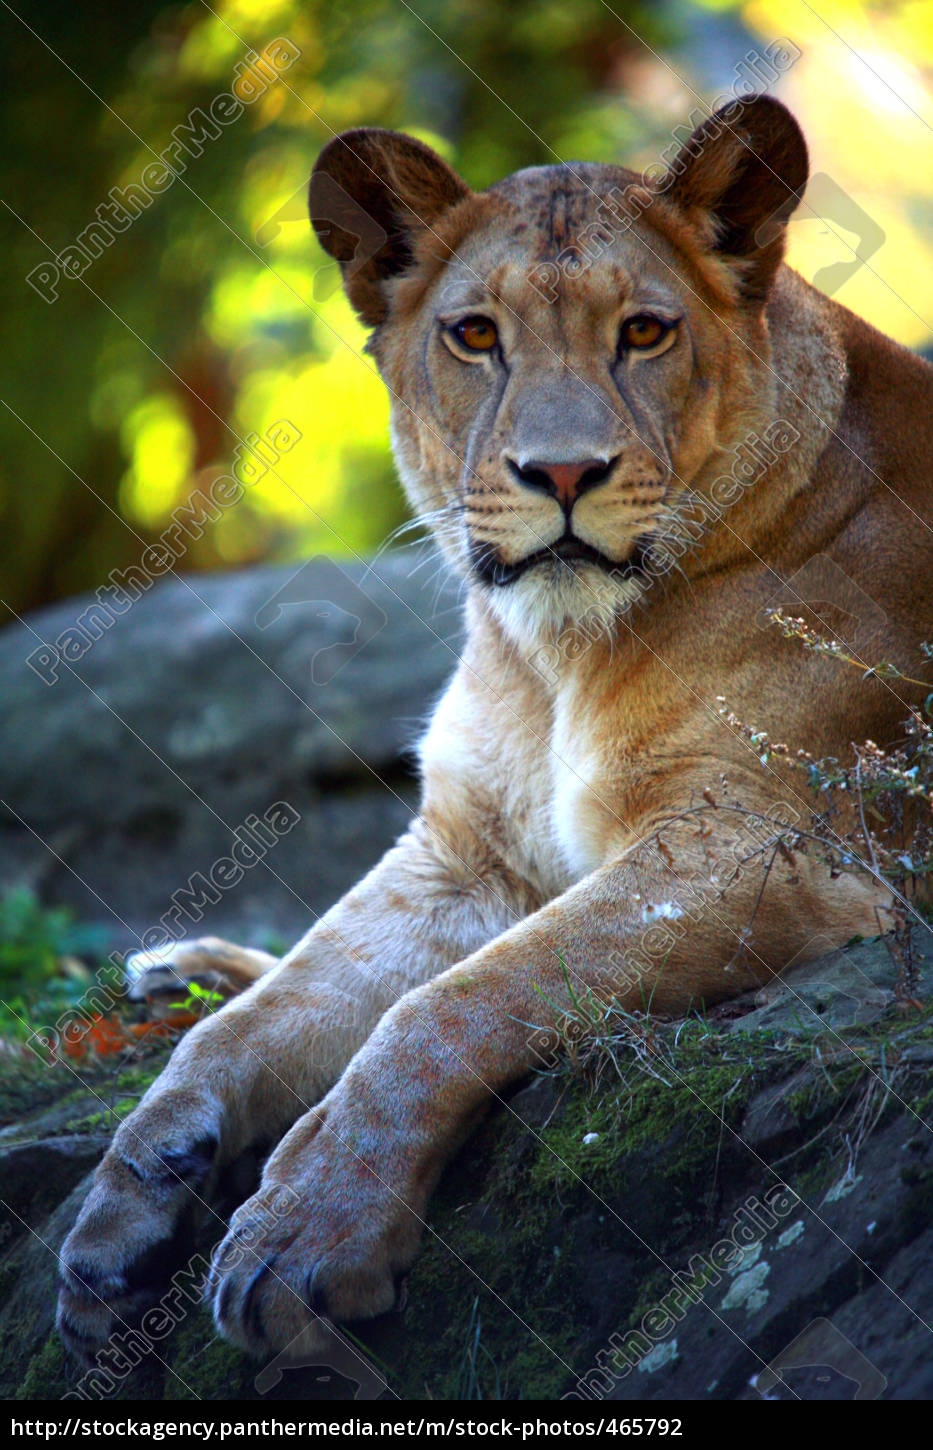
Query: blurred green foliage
x,y
215,313
198,334
43,956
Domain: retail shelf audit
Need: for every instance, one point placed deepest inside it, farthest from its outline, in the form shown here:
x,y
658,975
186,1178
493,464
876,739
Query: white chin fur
x,y
542,603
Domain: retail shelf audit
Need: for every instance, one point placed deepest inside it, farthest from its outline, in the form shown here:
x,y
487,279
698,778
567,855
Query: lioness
x,y
577,357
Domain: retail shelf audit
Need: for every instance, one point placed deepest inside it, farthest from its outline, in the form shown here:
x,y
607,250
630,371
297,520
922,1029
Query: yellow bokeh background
x,y
223,314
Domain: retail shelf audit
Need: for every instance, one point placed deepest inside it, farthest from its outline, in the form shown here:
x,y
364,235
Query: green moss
x,y
829,1085
490,1312
46,1376
28,1085
491,1295
657,1283
656,1150
657,1115
116,1110
544,1245
203,1366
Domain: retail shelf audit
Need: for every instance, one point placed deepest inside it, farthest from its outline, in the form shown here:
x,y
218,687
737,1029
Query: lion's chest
x,y
586,822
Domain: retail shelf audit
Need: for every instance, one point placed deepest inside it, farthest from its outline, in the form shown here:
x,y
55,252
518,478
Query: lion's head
x,y
569,353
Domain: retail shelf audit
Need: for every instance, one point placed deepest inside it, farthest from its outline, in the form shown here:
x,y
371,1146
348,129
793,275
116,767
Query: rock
x,y
135,744
742,1207
37,1172
840,988
754,1219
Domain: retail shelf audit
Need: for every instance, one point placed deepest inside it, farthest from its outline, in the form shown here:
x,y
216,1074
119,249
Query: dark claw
x,y
189,1165
315,1295
156,1264
194,1166
83,1347
82,1282
250,1311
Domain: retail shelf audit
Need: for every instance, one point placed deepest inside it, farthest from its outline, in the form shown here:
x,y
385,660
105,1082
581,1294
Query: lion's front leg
x,y
344,1240
233,1082
241,1077
365,1161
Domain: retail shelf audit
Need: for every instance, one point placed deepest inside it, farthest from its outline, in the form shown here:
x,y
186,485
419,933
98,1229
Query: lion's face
x,y
550,433
562,375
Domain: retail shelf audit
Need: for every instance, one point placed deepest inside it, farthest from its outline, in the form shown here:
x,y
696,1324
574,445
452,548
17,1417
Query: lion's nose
x,y
563,481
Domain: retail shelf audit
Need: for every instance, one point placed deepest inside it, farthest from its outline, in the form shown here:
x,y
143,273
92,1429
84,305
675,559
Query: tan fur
x,y
536,855
209,962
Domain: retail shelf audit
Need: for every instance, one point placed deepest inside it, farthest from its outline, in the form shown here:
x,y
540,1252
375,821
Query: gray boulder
x,y
135,744
725,1208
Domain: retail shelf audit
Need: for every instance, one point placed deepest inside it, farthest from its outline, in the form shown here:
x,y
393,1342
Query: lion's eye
x,y
477,334
644,331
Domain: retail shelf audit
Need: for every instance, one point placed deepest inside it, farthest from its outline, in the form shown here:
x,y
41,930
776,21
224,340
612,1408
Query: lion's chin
x,y
544,601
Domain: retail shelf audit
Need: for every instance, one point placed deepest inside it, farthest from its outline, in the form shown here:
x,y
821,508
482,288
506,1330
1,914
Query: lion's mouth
x,y
568,550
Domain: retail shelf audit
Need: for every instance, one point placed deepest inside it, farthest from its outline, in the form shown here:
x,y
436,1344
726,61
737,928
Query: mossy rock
x,y
586,1203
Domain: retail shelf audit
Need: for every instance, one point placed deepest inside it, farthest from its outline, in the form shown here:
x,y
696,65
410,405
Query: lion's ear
x,y
745,168
371,193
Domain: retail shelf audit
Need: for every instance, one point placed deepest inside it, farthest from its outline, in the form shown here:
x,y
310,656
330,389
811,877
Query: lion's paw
x,y
331,1243
208,962
137,1220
